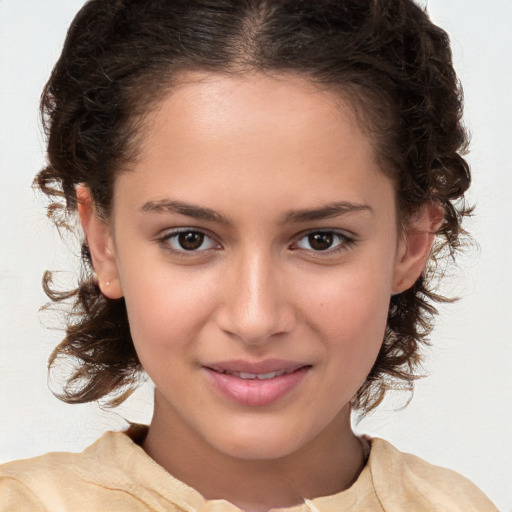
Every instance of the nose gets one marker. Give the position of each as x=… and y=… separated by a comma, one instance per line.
x=256, y=307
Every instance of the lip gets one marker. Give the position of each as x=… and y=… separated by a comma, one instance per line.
x=258, y=367
x=256, y=392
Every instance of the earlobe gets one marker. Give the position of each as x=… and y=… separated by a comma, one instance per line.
x=101, y=246
x=415, y=246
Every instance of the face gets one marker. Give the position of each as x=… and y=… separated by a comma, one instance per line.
x=255, y=243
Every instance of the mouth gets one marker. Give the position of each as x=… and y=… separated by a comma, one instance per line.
x=256, y=384
x=256, y=376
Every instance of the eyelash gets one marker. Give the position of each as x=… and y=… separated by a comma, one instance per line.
x=167, y=239
x=344, y=242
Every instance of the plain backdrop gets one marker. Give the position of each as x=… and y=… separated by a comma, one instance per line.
x=461, y=415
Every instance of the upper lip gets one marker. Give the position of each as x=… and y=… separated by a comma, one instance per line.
x=255, y=367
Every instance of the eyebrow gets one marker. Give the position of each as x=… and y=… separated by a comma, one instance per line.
x=327, y=211
x=181, y=208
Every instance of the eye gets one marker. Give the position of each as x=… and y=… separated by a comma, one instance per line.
x=188, y=240
x=323, y=241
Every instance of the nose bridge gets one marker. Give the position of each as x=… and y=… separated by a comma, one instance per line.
x=256, y=306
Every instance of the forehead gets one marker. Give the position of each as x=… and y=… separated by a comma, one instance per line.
x=262, y=135
x=256, y=96
x=218, y=108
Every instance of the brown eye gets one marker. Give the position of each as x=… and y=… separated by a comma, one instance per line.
x=324, y=241
x=190, y=240
x=320, y=241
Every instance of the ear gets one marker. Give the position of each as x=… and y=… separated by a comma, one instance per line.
x=101, y=245
x=415, y=244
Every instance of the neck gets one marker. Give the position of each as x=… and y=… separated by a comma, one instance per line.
x=328, y=464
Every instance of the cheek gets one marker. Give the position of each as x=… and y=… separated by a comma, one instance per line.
x=350, y=312
x=166, y=311
x=355, y=341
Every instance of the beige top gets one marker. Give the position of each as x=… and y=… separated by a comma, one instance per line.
x=115, y=475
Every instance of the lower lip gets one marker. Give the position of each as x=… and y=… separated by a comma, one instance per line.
x=254, y=392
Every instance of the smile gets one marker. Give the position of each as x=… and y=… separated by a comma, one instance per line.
x=260, y=387
x=259, y=376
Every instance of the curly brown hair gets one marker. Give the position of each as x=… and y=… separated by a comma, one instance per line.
x=121, y=57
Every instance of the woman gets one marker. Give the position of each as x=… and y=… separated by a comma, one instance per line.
x=260, y=186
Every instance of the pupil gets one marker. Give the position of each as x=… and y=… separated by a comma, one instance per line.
x=190, y=240
x=320, y=241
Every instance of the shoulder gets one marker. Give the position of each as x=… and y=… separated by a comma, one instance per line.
x=15, y=495
x=87, y=481
x=29, y=484
x=405, y=482
x=50, y=466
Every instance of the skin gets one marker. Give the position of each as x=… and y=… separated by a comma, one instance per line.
x=259, y=151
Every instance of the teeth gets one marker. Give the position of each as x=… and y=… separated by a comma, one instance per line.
x=270, y=375
x=246, y=375
x=258, y=376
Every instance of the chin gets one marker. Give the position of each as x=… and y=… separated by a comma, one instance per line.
x=264, y=449
x=256, y=443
